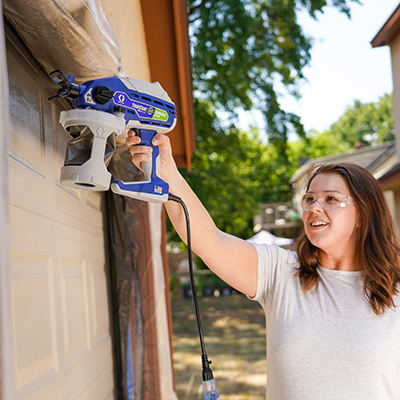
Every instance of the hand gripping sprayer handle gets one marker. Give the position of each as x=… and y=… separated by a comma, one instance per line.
x=152, y=189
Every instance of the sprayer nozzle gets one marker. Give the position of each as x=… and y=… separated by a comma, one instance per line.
x=67, y=88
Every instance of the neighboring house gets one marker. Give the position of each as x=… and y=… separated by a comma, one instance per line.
x=78, y=320
x=389, y=35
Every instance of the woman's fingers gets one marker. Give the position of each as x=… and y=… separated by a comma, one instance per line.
x=142, y=153
x=132, y=138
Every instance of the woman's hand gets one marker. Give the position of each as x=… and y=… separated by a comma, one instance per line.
x=139, y=153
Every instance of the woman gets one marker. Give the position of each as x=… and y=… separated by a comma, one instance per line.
x=333, y=326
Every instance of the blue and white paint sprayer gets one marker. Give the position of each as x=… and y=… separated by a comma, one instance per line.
x=103, y=109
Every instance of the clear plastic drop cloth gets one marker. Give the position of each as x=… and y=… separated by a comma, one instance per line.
x=74, y=36
x=131, y=253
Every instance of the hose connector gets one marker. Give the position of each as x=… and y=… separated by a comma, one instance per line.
x=209, y=387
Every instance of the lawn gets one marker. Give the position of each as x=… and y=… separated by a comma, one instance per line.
x=234, y=331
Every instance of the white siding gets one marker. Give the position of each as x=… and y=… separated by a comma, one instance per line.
x=59, y=294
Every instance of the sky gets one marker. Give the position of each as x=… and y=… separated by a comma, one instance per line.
x=344, y=67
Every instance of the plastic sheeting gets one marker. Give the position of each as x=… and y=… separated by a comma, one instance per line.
x=131, y=247
x=164, y=349
x=136, y=239
x=74, y=36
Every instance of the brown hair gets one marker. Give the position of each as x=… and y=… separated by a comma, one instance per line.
x=377, y=248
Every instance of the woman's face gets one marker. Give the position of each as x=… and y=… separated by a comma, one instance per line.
x=333, y=231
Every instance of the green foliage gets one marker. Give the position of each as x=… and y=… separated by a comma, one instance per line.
x=243, y=49
x=174, y=285
x=224, y=172
x=366, y=123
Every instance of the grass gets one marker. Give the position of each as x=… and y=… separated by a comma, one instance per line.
x=234, y=331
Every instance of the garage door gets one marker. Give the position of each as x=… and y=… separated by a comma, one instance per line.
x=60, y=305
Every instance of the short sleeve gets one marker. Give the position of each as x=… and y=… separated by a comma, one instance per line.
x=274, y=263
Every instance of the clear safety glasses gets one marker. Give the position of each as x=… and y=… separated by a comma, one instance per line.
x=327, y=201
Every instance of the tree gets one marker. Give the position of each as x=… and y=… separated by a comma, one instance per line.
x=225, y=174
x=243, y=49
x=366, y=123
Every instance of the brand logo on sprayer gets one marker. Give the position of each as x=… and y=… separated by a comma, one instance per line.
x=101, y=132
x=141, y=109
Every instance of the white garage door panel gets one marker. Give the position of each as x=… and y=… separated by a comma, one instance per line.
x=26, y=138
x=74, y=235
x=75, y=308
x=31, y=298
x=63, y=347
x=64, y=313
x=99, y=286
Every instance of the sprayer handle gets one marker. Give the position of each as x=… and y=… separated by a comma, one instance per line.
x=152, y=189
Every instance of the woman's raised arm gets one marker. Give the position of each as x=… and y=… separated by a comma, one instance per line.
x=234, y=260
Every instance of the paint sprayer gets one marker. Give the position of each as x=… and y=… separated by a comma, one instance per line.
x=103, y=109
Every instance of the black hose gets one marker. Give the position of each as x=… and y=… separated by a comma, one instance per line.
x=207, y=373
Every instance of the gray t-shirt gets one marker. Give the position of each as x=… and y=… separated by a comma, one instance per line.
x=328, y=344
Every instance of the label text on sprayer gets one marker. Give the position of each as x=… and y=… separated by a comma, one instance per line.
x=141, y=109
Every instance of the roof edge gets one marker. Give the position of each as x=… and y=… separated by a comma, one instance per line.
x=326, y=159
x=390, y=176
x=388, y=30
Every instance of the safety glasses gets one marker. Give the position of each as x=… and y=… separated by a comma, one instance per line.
x=327, y=201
